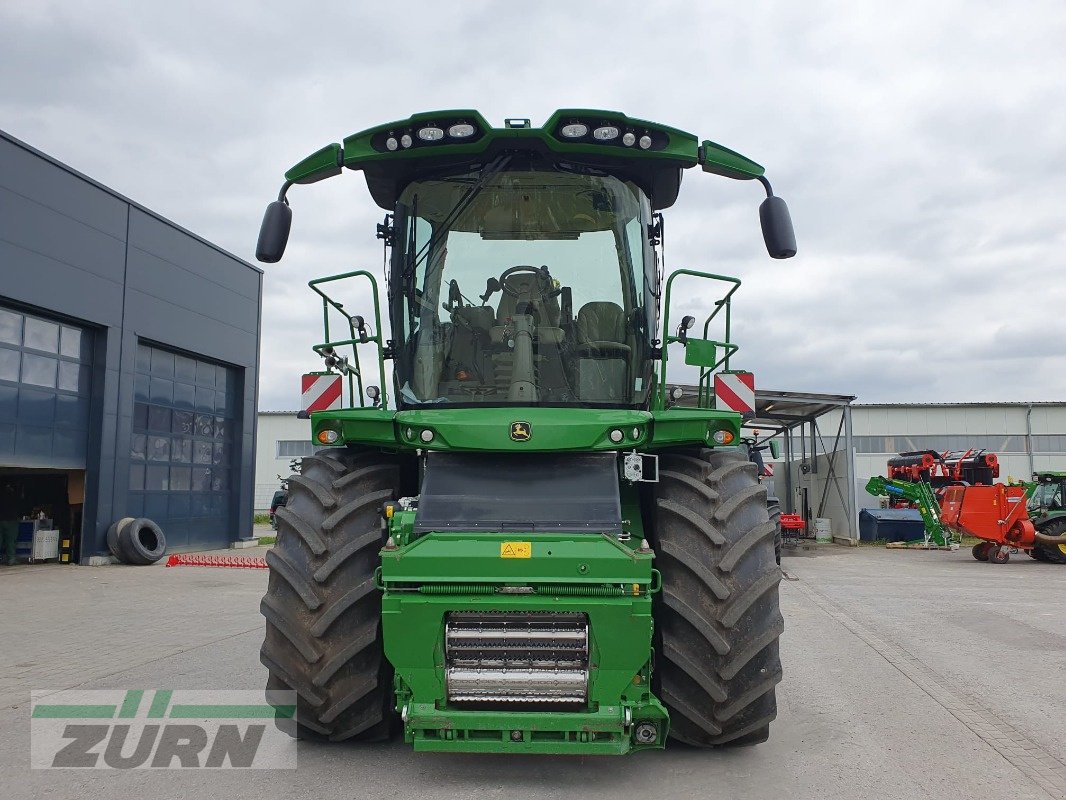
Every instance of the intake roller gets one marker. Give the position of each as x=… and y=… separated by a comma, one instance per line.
x=516, y=685
x=922, y=459
x=978, y=460
x=516, y=657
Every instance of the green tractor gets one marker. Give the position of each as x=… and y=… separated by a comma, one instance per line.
x=1047, y=511
x=533, y=548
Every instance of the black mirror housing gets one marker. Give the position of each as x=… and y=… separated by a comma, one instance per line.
x=777, y=229
x=274, y=232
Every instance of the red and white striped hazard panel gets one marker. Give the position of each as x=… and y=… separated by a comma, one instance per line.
x=735, y=391
x=320, y=392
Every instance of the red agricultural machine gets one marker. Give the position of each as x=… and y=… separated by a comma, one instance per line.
x=997, y=515
x=964, y=468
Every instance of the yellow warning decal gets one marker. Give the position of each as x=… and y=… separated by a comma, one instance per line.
x=516, y=550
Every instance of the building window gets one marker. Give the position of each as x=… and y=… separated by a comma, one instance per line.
x=183, y=447
x=295, y=448
x=994, y=443
x=45, y=389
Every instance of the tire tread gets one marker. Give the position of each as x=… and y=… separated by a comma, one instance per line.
x=322, y=608
x=718, y=617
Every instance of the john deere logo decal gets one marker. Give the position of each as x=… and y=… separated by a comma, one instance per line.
x=521, y=431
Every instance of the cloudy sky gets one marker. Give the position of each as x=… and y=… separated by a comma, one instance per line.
x=921, y=147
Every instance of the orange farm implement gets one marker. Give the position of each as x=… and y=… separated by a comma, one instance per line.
x=995, y=514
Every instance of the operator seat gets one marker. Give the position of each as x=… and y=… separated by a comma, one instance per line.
x=602, y=352
x=470, y=356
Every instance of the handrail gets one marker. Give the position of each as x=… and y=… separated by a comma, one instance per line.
x=724, y=302
x=377, y=338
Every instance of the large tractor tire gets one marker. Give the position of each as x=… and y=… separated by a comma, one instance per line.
x=323, y=612
x=1053, y=553
x=718, y=618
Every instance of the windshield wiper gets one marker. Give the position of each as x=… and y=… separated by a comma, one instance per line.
x=464, y=202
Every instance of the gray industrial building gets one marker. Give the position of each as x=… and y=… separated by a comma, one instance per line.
x=129, y=364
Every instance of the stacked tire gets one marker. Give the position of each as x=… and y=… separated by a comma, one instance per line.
x=136, y=540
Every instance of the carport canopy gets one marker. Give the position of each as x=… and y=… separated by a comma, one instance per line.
x=799, y=418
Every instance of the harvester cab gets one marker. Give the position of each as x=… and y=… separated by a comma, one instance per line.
x=529, y=548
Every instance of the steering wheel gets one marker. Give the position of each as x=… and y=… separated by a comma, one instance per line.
x=540, y=272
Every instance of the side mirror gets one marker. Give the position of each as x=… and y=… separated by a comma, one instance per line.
x=775, y=448
x=274, y=232
x=777, y=229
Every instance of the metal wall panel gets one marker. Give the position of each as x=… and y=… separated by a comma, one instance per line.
x=71, y=248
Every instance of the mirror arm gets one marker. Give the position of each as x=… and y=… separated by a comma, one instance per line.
x=766, y=185
x=284, y=188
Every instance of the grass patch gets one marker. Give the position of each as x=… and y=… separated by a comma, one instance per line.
x=967, y=541
x=261, y=519
x=265, y=540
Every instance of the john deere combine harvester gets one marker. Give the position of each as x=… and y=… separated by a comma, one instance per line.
x=535, y=550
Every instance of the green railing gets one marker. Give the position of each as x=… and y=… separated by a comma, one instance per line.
x=728, y=348
x=355, y=375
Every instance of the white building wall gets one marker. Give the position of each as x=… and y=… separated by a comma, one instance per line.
x=274, y=427
x=1000, y=428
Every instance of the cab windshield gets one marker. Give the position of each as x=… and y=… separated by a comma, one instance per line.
x=523, y=287
x=1046, y=496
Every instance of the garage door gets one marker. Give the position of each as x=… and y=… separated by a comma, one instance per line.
x=183, y=447
x=45, y=390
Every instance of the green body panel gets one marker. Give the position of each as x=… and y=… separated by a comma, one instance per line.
x=593, y=733
x=489, y=428
x=728, y=163
x=437, y=573
x=632, y=520
x=319, y=165
x=679, y=426
x=375, y=427
x=552, y=429
x=578, y=559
